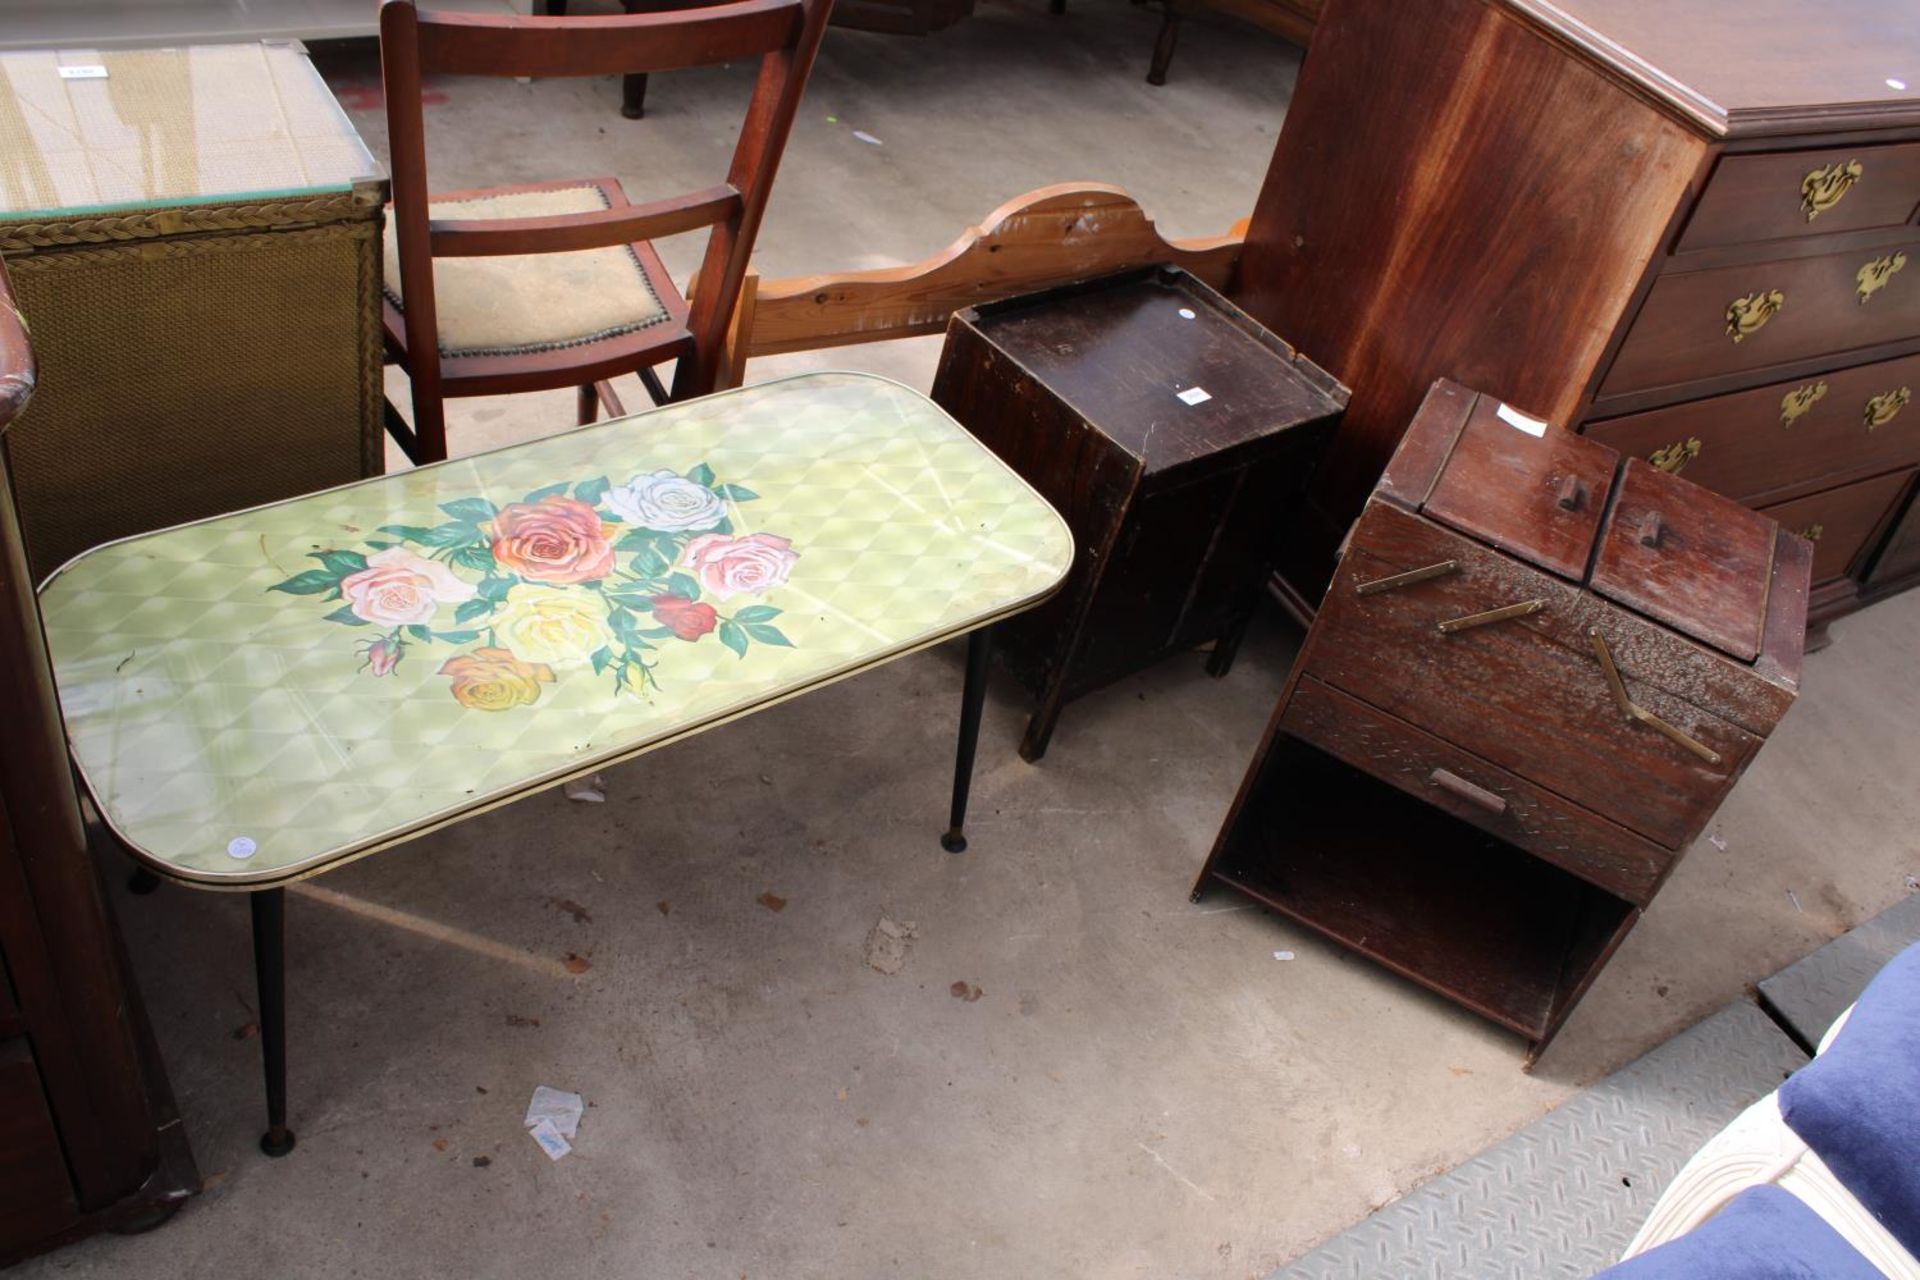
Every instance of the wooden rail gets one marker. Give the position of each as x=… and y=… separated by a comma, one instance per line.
x=1053, y=236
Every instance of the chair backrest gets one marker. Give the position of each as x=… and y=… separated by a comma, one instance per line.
x=784, y=34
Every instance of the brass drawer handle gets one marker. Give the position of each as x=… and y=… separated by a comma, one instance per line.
x=1472, y=794
x=1674, y=458
x=1873, y=277
x=1746, y=315
x=1822, y=189
x=1473, y=620
x=1634, y=711
x=1407, y=579
x=1799, y=400
x=1881, y=409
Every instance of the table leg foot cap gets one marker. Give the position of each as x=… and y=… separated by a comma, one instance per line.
x=277, y=1141
x=953, y=841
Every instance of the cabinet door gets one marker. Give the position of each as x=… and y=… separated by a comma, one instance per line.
x=36, y=1194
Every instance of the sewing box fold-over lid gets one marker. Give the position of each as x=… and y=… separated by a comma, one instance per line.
x=1660, y=545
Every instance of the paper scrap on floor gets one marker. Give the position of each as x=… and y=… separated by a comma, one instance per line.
x=553, y=1118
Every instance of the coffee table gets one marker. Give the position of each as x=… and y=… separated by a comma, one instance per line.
x=265, y=696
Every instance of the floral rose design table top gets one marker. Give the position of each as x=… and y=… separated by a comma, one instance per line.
x=256, y=697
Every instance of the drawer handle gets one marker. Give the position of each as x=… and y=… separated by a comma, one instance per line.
x=1822, y=189
x=1799, y=400
x=1880, y=410
x=1634, y=711
x=1472, y=620
x=1674, y=458
x=1474, y=795
x=1873, y=277
x=1407, y=579
x=1747, y=315
x=1813, y=532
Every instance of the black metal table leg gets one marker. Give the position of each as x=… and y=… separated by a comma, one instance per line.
x=269, y=972
x=142, y=881
x=972, y=698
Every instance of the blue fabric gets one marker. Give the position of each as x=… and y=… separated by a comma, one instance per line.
x=1858, y=1104
x=1763, y=1234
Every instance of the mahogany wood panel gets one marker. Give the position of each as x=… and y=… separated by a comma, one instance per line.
x=1539, y=499
x=1846, y=520
x=1681, y=334
x=1704, y=568
x=1758, y=197
x=1528, y=693
x=1758, y=444
x=1451, y=196
x=1530, y=817
x=1430, y=897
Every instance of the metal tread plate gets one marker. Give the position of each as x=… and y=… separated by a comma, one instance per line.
x=1563, y=1197
x=1807, y=996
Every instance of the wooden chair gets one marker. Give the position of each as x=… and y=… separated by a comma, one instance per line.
x=555, y=284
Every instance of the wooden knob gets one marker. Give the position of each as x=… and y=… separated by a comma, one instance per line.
x=1570, y=491
x=1650, y=529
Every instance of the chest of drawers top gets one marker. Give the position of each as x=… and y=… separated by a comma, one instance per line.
x=1745, y=68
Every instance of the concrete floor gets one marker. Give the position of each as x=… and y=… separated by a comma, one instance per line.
x=1139, y=1087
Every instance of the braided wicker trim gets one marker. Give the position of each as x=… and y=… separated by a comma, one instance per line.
x=265, y=241
x=151, y=224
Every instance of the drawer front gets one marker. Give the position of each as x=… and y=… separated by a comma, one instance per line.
x=1842, y=522
x=1701, y=324
x=1476, y=791
x=1789, y=194
x=1528, y=692
x=1751, y=443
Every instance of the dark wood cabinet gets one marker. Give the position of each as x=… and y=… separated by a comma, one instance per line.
x=88, y=1135
x=1170, y=430
x=1687, y=227
x=1535, y=676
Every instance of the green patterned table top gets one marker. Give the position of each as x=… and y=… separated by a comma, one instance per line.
x=255, y=697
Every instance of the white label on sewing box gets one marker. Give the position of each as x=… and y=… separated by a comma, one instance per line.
x=241, y=847
x=1514, y=418
x=84, y=71
x=1195, y=395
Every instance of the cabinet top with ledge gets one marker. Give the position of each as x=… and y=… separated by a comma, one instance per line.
x=1752, y=68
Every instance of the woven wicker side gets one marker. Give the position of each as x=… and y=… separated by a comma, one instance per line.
x=185, y=377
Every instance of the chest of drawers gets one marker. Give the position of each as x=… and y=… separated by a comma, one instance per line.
x=1685, y=227
x=1537, y=672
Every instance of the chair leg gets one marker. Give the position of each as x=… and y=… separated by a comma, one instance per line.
x=270, y=977
x=973, y=698
x=588, y=401
x=633, y=95
x=1227, y=646
x=1163, y=46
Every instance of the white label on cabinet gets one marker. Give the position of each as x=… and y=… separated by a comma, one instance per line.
x=1514, y=418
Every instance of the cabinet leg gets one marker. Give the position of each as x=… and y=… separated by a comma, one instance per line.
x=1163, y=46
x=973, y=698
x=633, y=95
x=1227, y=647
x=269, y=972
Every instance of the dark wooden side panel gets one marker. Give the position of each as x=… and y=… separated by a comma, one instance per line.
x=1088, y=481
x=36, y=1199
x=1430, y=151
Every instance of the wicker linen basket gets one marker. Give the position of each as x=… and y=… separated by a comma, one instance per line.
x=194, y=237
